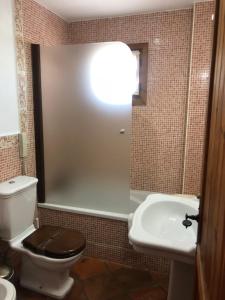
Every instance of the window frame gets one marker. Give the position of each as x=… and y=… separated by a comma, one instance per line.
x=141, y=99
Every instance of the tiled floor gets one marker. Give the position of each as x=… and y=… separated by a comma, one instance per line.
x=101, y=280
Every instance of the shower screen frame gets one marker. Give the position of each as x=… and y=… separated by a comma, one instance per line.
x=38, y=121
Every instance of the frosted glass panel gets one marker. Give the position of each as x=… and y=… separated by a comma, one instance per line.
x=86, y=140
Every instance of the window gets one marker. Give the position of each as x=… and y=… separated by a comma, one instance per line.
x=140, y=51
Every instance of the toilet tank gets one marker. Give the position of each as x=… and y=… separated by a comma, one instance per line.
x=17, y=206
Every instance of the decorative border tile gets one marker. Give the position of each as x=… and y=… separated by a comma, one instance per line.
x=8, y=141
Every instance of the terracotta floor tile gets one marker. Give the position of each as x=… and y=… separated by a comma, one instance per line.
x=114, y=266
x=132, y=279
x=88, y=267
x=120, y=297
x=154, y=293
x=103, y=288
x=24, y=294
x=161, y=279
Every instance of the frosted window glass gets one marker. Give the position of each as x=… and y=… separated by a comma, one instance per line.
x=136, y=54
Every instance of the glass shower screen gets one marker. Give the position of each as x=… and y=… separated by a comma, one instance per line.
x=86, y=105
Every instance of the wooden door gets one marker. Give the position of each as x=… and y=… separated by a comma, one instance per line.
x=211, y=247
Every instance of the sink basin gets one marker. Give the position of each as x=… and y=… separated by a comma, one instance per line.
x=157, y=227
x=7, y=290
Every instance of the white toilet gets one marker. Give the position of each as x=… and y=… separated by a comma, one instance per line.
x=48, y=252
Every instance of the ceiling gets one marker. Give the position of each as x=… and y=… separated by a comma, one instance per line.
x=73, y=10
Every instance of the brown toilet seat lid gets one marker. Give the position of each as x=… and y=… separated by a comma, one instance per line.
x=55, y=242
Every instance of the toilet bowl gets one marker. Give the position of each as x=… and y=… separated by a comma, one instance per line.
x=49, y=252
x=43, y=274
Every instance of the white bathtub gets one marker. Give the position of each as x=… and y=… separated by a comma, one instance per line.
x=136, y=197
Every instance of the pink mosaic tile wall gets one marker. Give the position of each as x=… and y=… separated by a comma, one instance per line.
x=41, y=26
x=198, y=97
x=158, y=129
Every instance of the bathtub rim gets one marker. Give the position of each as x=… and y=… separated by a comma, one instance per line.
x=85, y=211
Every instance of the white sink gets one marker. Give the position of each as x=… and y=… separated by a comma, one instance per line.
x=157, y=227
x=7, y=290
